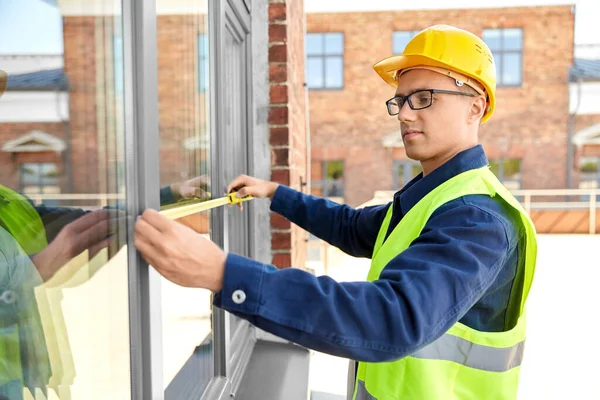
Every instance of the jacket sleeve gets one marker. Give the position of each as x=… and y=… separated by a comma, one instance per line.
x=420, y=294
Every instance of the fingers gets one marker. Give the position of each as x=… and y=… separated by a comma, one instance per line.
x=146, y=232
x=200, y=193
x=157, y=221
x=238, y=183
x=95, y=249
x=95, y=235
x=88, y=220
x=146, y=249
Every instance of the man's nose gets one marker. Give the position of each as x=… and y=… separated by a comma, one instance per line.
x=406, y=113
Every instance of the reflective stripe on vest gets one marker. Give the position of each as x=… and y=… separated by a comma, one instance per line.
x=361, y=392
x=461, y=351
x=463, y=363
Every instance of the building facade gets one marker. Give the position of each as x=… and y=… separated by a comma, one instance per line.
x=356, y=147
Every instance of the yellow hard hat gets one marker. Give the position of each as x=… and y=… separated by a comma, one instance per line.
x=448, y=48
x=3, y=80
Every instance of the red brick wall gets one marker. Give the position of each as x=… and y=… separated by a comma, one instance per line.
x=531, y=122
x=287, y=121
x=181, y=106
x=9, y=173
x=81, y=69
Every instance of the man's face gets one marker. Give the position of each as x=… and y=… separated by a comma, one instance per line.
x=440, y=130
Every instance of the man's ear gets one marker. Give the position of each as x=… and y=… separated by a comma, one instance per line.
x=478, y=107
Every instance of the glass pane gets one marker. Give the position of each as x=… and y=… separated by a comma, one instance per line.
x=400, y=176
x=492, y=37
x=334, y=43
x=314, y=44
x=400, y=40
x=513, y=39
x=64, y=313
x=314, y=72
x=511, y=69
x=415, y=170
x=334, y=72
x=495, y=167
x=405, y=171
x=335, y=169
x=48, y=174
x=118, y=64
x=30, y=174
x=590, y=169
x=203, y=77
x=184, y=110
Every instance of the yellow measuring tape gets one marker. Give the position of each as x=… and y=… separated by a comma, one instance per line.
x=184, y=211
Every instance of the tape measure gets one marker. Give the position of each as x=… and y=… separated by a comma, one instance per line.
x=183, y=211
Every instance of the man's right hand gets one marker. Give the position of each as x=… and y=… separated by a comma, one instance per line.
x=246, y=185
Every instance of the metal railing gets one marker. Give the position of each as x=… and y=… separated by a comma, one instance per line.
x=576, y=199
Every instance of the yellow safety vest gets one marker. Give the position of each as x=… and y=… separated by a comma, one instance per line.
x=463, y=363
x=23, y=353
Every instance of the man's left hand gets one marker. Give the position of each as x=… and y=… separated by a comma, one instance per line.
x=178, y=253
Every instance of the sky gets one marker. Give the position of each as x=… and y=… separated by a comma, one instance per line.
x=43, y=34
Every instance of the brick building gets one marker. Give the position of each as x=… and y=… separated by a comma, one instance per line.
x=356, y=147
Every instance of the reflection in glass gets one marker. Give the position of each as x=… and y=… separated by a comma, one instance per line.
x=64, y=314
x=183, y=98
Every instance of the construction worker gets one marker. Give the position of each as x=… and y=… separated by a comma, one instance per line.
x=441, y=315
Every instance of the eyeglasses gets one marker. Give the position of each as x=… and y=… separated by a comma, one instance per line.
x=418, y=100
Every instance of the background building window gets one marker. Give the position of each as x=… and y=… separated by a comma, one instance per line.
x=508, y=171
x=39, y=178
x=325, y=60
x=332, y=182
x=590, y=172
x=404, y=171
x=400, y=39
x=507, y=47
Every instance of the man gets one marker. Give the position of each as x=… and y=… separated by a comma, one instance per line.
x=453, y=255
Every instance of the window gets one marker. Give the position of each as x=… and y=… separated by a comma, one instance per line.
x=400, y=39
x=332, y=182
x=508, y=171
x=203, y=77
x=590, y=172
x=507, y=48
x=404, y=171
x=325, y=60
x=589, y=167
x=40, y=178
